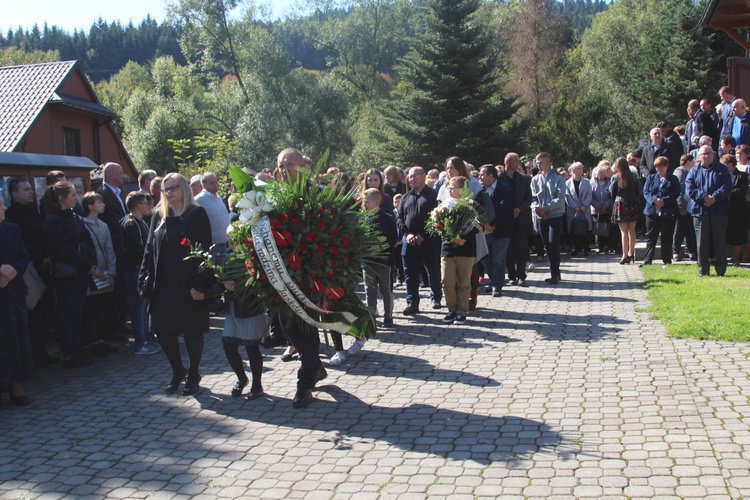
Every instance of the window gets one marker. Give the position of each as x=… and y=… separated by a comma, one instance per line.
x=71, y=141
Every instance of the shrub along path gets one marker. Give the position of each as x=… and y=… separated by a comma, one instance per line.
x=566, y=392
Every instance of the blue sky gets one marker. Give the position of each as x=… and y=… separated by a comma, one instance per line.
x=82, y=13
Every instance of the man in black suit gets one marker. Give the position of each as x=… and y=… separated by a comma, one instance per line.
x=651, y=152
x=675, y=149
x=703, y=123
x=498, y=230
x=520, y=195
x=114, y=210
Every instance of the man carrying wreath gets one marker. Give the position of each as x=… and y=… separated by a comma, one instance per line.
x=303, y=336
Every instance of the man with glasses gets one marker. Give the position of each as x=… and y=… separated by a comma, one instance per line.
x=419, y=248
x=708, y=186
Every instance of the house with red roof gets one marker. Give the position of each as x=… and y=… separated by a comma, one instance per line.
x=51, y=119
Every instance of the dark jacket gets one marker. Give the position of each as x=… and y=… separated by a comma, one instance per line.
x=714, y=180
x=668, y=191
x=134, y=234
x=414, y=210
x=703, y=124
x=384, y=224
x=651, y=153
x=13, y=252
x=675, y=150
x=112, y=215
x=503, y=207
x=30, y=221
x=737, y=201
x=520, y=191
x=67, y=240
x=167, y=278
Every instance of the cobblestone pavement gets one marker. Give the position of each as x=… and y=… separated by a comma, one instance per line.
x=548, y=392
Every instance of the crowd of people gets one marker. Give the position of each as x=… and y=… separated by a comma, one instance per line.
x=81, y=266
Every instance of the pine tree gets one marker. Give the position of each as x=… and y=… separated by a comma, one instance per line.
x=448, y=101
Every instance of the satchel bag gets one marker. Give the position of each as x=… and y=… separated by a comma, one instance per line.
x=601, y=229
x=35, y=286
x=579, y=226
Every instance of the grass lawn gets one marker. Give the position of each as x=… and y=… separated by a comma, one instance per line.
x=709, y=308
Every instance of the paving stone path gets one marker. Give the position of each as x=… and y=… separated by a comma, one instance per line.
x=548, y=392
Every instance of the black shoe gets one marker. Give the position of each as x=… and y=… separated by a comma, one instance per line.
x=514, y=282
x=554, y=280
x=191, y=388
x=302, y=398
x=460, y=319
x=496, y=292
x=644, y=264
x=77, y=362
x=238, y=387
x=449, y=318
x=436, y=305
x=21, y=400
x=522, y=283
x=321, y=375
x=254, y=394
x=411, y=310
x=175, y=383
x=387, y=322
x=286, y=357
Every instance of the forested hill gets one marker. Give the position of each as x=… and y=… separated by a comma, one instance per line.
x=107, y=47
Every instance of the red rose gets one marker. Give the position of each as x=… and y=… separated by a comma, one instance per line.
x=333, y=263
x=346, y=257
x=335, y=292
x=312, y=275
x=275, y=223
x=438, y=226
x=285, y=216
x=335, y=231
x=320, y=249
x=310, y=237
x=293, y=260
x=249, y=243
x=336, y=250
x=322, y=226
x=333, y=214
x=288, y=237
x=264, y=277
x=317, y=286
x=249, y=266
x=302, y=247
x=322, y=210
x=330, y=274
x=185, y=242
x=295, y=220
x=345, y=241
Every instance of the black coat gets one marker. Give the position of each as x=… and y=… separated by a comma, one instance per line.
x=14, y=253
x=651, y=153
x=112, y=215
x=167, y=278
x=703, y=124
x=68, y=241
x=520, y=189
x=503, y=207
x=30, y=221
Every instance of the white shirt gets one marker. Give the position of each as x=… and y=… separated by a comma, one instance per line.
x=217, y=213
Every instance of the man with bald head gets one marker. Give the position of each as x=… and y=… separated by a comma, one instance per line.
x=520, y=195
x=114, y=210
x=740, y=124
x=419, y=249
x=708, y=186
x=655, y=149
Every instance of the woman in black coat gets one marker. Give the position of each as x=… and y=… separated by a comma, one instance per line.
x=177, y=286
x=73, y=262
x=16, y=359
x=738, y=209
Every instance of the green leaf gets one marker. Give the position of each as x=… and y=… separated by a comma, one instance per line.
x=242, y=181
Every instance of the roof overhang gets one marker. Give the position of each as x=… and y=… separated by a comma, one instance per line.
x=49, y=162
x=81, y=105
x=728, y=16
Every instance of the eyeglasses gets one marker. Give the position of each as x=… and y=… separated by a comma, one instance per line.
x=169, y=189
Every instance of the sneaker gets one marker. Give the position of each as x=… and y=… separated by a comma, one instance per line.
x=513, y=282
x=522, y=283
x=496, y=292
x=356, y=347
x=460, y=319
x=530, y=266
x=436, y=305
x=449, y=318
x=337, y=358
x=387, y=322
x=146, y=348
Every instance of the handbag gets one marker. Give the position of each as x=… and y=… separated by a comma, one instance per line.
x=579, y=226
x=63, y=271
x=601, y=229
x=35, y=286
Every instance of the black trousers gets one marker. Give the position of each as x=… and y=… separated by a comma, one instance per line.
x=518, y=252
x=306, y=341
x=656, y=225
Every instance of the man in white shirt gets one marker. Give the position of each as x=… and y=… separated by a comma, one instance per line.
x=217, y=214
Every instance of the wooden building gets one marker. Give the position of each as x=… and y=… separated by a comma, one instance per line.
x=50, y=110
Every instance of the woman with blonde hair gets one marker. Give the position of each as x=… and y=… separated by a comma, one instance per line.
x=626, y=192
x=177, y=286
